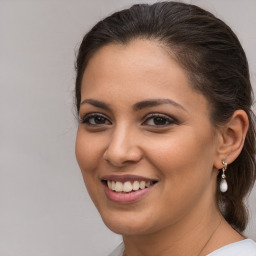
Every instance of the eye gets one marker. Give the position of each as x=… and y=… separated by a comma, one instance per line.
x=159, y=120
x=95, y=119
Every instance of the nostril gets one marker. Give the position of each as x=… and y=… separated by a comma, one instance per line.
x=121, y=152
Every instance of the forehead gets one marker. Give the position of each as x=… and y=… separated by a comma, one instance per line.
x=138, y=52
x=136, y=71
x=139, y=59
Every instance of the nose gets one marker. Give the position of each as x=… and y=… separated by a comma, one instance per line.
x=123, y=148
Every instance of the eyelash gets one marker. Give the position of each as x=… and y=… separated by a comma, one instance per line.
x=86, y=119
x=165, y=118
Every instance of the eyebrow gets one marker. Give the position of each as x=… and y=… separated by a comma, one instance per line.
x=96, y=103
x=155, y=102
x=137, y=106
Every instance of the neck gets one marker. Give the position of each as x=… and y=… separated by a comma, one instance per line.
x=189, y=236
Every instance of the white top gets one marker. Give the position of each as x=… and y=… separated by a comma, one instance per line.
x=245, y=247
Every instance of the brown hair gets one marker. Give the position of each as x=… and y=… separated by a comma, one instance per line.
x=216, y=64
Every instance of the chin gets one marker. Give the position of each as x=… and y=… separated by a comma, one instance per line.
x=125, y=223
x=125, y=228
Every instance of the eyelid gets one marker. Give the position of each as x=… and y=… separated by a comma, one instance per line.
x=87, y=116
x=171, y=120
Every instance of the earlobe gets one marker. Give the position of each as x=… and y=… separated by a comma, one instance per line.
x=231, y=138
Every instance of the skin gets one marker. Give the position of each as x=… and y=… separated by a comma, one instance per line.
x=183, y=155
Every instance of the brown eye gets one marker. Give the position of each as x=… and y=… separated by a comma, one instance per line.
x=98, y=120
x=159, y=120
x=95, y=119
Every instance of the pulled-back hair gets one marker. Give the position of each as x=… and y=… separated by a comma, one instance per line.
x=215, y=63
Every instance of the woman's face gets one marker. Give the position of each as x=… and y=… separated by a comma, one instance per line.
x=145, y=143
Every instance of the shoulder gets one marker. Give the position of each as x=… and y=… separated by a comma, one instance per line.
x=118, y=251
x=245, y=247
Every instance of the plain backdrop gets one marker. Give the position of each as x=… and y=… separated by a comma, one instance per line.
x=44, y=207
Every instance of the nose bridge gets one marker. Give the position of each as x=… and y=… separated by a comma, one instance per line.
x=120, y=136
x=122, y=147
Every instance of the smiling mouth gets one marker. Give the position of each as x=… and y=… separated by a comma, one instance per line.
x=127, y=186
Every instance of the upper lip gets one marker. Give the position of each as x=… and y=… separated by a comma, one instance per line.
x=127, y=177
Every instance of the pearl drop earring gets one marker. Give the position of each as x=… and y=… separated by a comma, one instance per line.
x=223, y=183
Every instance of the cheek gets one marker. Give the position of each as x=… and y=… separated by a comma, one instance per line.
x=88, y=158
x=184, y=155
x=87, y=153
x=184, y=163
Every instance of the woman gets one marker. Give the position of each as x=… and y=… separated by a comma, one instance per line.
x=166, y=140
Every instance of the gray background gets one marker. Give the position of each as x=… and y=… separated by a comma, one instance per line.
x=44, y=206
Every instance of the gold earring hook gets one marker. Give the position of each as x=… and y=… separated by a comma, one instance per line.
x=224, y=168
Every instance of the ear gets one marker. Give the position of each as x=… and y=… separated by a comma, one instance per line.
x=231, y=138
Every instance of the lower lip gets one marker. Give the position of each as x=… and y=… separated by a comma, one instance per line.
x=129, y=197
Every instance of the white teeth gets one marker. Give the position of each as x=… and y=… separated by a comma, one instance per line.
x=135, y=185
x=110, y=184
x=142, y=184
x=128, y=186
x=113, y=185
x=119, y=186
